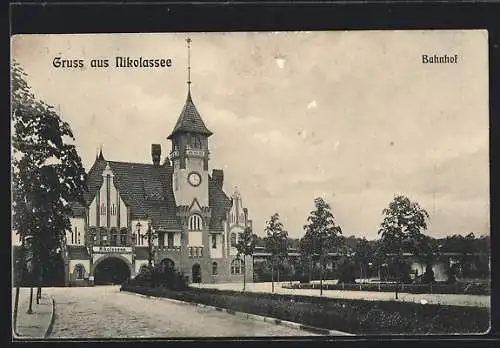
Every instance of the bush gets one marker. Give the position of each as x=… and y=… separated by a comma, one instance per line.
x=158, y=276
x=353, y=316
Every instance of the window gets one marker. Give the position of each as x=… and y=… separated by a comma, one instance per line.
x=113, y=209
x=190, y=252
x=103, y=209
x=214, y=268
x=161, y=239
x=195, y=142
x=233, y=240
x=237, y=266
x=195, y=223
x=170, y=240
x=114, y=237
x=123, y=236
x=72, y=237
x=77, y=235
x=214, y=241
x=79, y=272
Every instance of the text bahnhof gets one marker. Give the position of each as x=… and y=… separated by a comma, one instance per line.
x=120, y=62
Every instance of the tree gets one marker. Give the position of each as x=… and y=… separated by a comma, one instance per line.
x=246, y=247
x=402, y=226
x=151, y=235
x=47, y=173
x=276, y=242
x=362, y=255
x=322, y=235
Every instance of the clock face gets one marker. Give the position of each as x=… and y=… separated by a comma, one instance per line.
x=194, y=178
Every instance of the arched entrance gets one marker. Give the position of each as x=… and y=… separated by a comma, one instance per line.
x=196, y=273
x=111, y=270
x=167, y=264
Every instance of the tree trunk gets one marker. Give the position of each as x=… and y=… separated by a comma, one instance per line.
x=310, y=269
x=272, y=278
x=16, y=307
x=30, y=309
x=244, y=273
x=321, y=277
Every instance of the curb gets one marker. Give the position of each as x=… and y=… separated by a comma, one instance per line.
x=275, y=321
x=52, y=318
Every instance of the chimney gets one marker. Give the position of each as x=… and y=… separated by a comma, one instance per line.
x=156, y=154
x=218, y=177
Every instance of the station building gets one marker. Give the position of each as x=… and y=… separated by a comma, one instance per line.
x=196, y=223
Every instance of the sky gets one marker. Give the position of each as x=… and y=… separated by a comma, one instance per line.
x=350, y=116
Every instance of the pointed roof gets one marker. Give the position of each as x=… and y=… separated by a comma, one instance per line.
x=190, y=120
x=101, y=157
x=147, y=190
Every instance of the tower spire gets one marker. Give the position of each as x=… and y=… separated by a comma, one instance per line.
x=188, y=40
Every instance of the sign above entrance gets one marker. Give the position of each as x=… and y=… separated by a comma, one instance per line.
x=112, y=249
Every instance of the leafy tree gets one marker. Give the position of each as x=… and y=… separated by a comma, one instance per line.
x=322, y=235
x=362, y=256
x=276, y=242
x=402, y=226
x=47, y=173
x=246, y=247
x=151, y=236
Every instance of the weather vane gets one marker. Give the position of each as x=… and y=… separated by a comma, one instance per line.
x=188, y=40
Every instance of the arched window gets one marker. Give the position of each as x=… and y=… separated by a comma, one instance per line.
x=236, y=266
x=103, y=209
x=195, y=142
x=214, y=268
x=195, y=223
x=233, y=239
x=123, y=236
x=79, y=271
x=114, y=237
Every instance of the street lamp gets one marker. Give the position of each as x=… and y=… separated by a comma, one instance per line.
x=138, y=229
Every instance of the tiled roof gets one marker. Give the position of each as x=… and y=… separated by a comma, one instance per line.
x=190, y=120
x=78, y=252
x=147, y=190
x=78, y=209
x=220, y=204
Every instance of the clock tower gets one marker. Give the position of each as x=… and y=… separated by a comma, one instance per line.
x=189, y=153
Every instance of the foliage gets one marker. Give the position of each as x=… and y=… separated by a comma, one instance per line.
x=246, y=247
x=276, y=238
x=322, y=235
x=402, y=228
x=352, y=316
x=246, y=242
x=48, y=175
x=159, y=276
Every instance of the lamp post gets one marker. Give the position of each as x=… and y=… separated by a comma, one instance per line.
x=138, y=229
x=150, y=244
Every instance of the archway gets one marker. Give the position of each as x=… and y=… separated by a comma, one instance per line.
x=111, y=270
x=196, y=273
x=167, y=264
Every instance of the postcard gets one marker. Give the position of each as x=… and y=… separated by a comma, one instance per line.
x=250, y=184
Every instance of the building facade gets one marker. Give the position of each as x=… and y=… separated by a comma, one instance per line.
x=196, y=225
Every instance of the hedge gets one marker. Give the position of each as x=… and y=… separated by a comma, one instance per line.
x=352, y=316
x=437, y=288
